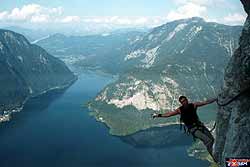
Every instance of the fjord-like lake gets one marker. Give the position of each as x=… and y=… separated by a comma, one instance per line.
x=56, y=130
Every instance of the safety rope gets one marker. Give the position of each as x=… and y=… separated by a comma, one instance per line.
x=234, y=98
x=211, y=130
x=228, y=102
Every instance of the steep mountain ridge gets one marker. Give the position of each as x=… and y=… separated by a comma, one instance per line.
x=178, y=39
x=27, y=70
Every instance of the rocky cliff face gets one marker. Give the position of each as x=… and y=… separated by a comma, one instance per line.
x=27, y=70
x=233, y=120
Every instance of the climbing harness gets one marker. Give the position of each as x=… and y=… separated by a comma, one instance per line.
x=247, y=90
x=198, y=126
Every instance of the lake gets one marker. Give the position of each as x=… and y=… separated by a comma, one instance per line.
x=56, y=130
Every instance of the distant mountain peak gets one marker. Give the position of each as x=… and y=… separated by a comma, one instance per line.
x=58, y=35
x=198, y=19
x=190, y=20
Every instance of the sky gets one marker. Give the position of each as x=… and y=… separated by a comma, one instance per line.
x=94, y=14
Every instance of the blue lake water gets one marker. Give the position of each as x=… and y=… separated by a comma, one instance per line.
x=56, y=130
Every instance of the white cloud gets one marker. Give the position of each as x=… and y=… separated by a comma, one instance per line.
x=126, y=20
x=40, y=19
x=230, y=19
x=123, y=21
x=32, y=13
x=35, y=13
x=26, y=12
x=207, y=9
x=3, y=15
x=234, y=19
x=56, y=11
x=142, y=20
x=69, y=19
x=186, y=11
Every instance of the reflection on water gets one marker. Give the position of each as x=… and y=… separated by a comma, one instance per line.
x=42, y=102
x=34, y=105
x=159, y=137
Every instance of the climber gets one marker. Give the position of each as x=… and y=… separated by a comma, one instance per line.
x=191, y=120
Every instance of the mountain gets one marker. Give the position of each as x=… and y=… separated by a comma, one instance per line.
x=104, y=52
x=27, y=70
x=183, y=57
x=175, y=41
x=31, y=34
x=233, y=123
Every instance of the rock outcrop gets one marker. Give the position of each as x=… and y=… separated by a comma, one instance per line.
x=233, y=119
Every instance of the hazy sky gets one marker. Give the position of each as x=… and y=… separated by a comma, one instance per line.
x=122, y=13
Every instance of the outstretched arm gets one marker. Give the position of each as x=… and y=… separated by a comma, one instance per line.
x=199, y=104
x=168, y=114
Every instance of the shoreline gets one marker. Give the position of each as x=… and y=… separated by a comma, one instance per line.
x=7, y=113
x=197, y=151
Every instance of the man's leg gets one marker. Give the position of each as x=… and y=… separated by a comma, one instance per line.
x=206, y=137
x=211, y=140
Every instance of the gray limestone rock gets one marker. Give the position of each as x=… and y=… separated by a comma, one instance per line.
x=233, y=120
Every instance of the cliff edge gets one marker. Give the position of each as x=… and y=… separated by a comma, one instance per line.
x=233, y=119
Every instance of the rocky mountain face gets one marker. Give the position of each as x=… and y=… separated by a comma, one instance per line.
x=27, y=70
x=184, y=41
x=233, y=120
x=102, y=52
x=184, y=57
